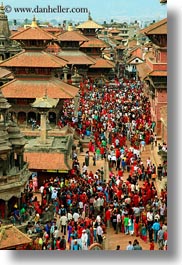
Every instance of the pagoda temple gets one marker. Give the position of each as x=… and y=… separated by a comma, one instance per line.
x=35, y=71
x=14, y=173
x=94, y=47
x=154, y=72
x=8, y=47
x=70, y=42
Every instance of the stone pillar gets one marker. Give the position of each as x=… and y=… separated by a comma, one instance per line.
x=43, y=130
x=6, y=210
x=20, y=158
x=19, y=203
x=76, y=103
x=65, y=71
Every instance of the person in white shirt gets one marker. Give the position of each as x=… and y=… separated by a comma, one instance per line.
x=41, y=189
x=69, y=216
x=99, y=232
x=75, y=217
x=84, y=239
x=63, y=223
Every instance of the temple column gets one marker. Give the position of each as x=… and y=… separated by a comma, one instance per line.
x=19, y=202
x=6, y=210
x=65, y=71
x=43, y=131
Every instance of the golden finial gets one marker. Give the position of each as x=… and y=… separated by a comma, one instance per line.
x=89, y=16
x=34, y=23
x=1, y=8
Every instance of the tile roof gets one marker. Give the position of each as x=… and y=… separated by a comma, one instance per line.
x=89, y=24
x=102, y=63
x=45, y=161
x=143, y=70
x=158, y=73
x=4, y=72
x=121, y=47
x=34, y=59
x=56, y=30
x=133, y=58
x=76, y=57
x=33, y=33
x=11, y=236
x=159, y=27
x=36, y=87
x=132, y=43
x=114, y=31
x=72, y=36
x=118, y=38
x=94, y=42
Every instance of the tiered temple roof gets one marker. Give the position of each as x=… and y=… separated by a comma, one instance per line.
x=34, y=59
x=36, y=87
x=72, y=36
x=159, y=27
x=89, y=24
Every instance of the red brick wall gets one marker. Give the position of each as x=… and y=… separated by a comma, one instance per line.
x=161, y=96
x=163, y=56
x=159, y=101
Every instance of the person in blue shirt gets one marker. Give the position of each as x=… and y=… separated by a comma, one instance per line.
x=76, y=246
x=155, y=227
x=130, y=246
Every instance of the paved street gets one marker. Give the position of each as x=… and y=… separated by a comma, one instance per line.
x=112, y=239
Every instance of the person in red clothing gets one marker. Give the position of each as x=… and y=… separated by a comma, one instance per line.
x=136, y=199
x=108, y=217
x=152, y=244
x=136, y=228
x=102, y=151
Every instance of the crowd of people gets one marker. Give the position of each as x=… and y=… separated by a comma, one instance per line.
x=117, y=123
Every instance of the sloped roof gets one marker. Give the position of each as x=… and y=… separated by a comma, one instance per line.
x=45, y=161
x=72, y=36
x=143, y=70
x=118, y=38
x=11, y=236
x=36, y=87
x=94, y=42
x=89, y=24
x=4, y=72
x=34, y=59
x=33, y=33
x=132, y=43
x=159, y=27
x=102, y=63
x=76, y=57
x=114, y=31
x=121, y=47
x=133, y=58
x=158, y=73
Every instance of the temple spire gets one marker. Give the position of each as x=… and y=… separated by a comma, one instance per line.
x=89, y=16
x=34, y=23
x=1, y=8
